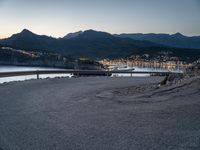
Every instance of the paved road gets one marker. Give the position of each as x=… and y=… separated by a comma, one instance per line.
x=98, y=114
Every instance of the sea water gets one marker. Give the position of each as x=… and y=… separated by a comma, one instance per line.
x=28, y=77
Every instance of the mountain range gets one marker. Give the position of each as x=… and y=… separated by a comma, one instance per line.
x=98, y=45
x=177, y=40
x=89, y=43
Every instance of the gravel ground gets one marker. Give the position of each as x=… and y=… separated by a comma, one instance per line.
x=100, y=113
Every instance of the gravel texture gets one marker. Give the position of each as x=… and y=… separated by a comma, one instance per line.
x=100, y=113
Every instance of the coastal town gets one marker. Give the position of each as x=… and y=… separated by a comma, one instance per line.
x=137, y=61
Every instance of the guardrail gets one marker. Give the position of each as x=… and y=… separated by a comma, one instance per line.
x=81, y=72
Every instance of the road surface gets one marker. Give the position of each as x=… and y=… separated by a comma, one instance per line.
x=100, y=113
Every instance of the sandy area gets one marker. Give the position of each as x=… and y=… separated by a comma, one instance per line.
x=100, y=113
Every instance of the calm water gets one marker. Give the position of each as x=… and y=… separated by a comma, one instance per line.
x=22, y=78
x=145, y=69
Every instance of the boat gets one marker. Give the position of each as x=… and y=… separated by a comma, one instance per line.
x=123, y=68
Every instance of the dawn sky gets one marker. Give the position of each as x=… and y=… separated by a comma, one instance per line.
x=59, y=17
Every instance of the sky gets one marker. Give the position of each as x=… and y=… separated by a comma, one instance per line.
x=58, y=17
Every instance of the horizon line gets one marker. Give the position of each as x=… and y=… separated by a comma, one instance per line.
x=187, y=35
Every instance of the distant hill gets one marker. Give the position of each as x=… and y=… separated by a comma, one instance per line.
x=98, y=45
x=89, y=43
x=175, y=40
x=10, y=56
x=29, y=41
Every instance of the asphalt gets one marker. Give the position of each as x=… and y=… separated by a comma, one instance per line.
x=100, y=113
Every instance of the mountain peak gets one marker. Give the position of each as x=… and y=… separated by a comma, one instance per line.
x=178, y=34
x=91, y=30
x=73, y=35
x=95, y=34
x=88, y=34
x=24, y=34
x=26, y=31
